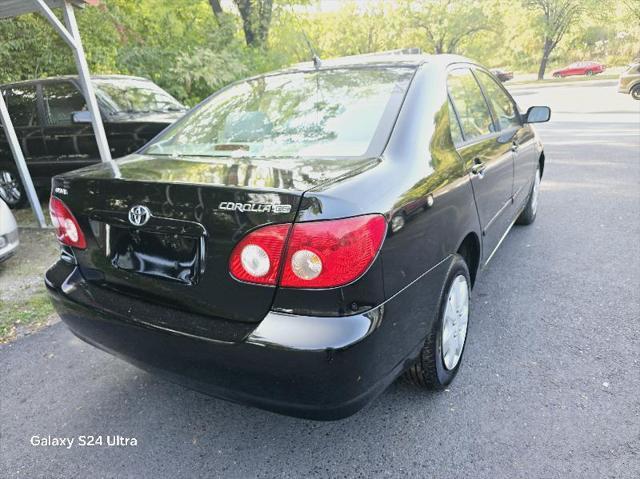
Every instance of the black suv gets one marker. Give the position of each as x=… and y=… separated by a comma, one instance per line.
x=54, y=127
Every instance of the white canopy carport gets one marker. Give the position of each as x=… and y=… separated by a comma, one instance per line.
x=71, y=35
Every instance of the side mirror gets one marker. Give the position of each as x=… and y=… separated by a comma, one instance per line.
x=81, y=117
x=537, y=114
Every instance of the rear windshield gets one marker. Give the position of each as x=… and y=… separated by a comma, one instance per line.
x=135, y=96
x=342, y=112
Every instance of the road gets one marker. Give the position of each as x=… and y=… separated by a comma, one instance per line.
x=550, y=386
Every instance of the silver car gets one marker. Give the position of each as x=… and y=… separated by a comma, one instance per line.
x=8, y=232
x=629, y=81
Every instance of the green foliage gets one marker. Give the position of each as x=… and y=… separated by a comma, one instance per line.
x=190, y=49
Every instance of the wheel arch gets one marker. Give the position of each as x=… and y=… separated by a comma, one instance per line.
x=470, y=250
x=541, y=162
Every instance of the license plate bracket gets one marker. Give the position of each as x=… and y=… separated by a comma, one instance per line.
x=163, y=255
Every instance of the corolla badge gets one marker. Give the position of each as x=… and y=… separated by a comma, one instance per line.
x=254, y=207
x=139, y=215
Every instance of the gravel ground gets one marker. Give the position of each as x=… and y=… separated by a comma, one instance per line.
x=550, y=386
x=23, y=306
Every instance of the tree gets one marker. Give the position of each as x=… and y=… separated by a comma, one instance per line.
x=633, y=6
x=557, y=17
x=447, y=23
x=217, y=9
x=256, y=19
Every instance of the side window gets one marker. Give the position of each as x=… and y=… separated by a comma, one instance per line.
x=456, y=133
x=60, y=101
x=23, y=105
x=503, y=106
x=469, y=102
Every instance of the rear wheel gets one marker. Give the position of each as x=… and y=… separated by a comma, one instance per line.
x=528, y=215
x=557, y=75
x=11, y=190
x=441, y=354
x=635, y=92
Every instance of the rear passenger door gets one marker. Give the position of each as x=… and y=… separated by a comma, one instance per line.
x=70, y=145
x=512, y=130
x=487, y=157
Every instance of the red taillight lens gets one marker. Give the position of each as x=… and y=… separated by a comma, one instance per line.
x=319, y=254
x=256, y=259
x=327, y=254
x=68, y=231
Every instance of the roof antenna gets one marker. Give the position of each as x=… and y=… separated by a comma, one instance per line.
x=317, y=62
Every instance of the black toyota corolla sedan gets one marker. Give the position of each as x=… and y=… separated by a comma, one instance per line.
x=302, y=238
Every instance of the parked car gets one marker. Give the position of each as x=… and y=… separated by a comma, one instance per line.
x=9, y=240
x=580, y=68
x=502, y=75
x=54, y=126
x=629, y=81
x=246, y=251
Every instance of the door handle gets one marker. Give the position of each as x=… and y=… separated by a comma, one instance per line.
x=478, y=167
x=515, y=146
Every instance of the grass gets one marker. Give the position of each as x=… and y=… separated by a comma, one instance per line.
x=31, y=314
x=24, y=305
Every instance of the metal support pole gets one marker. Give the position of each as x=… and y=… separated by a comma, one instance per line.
x=57, y=24
x=14, y=144
x=85, y=81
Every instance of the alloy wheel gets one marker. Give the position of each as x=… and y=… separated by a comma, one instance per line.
x=10, y=188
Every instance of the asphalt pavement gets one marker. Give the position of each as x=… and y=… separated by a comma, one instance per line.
x=550, y=385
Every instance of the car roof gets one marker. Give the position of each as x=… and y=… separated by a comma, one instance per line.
x=73, y=77
x=376, y=60
x=380, y=60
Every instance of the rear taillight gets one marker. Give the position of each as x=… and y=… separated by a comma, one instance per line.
x=256, y=259
x=67, y=229
x=319, y=254
x=326, y=254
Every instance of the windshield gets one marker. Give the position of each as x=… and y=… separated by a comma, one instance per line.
x=135, y=96
x=304, y=114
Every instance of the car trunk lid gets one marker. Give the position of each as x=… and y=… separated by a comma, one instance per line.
x=162, y=228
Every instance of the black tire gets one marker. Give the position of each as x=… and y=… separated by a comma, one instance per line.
x=429, y=370
x=590, y=73
x=635, y=92
x=11, y=189
x=557, y=75
x=530, y=211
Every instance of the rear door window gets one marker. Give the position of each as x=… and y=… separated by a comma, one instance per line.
x=503, y=106
x=61, y=100
x=22, y=103
x=468, y=100
x=456, y=133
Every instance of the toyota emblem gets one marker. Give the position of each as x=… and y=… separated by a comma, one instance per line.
x=139, y=215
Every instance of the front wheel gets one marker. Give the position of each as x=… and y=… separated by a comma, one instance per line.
x=635, y=92
x=528, y=215
x=11, y=190
x=590, y=73
x=441, y=354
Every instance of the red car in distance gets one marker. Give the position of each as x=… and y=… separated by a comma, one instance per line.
x=580, y=68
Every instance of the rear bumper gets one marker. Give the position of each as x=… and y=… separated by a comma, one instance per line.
x=627, y=87
x=8, y=245
x=312, y=367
